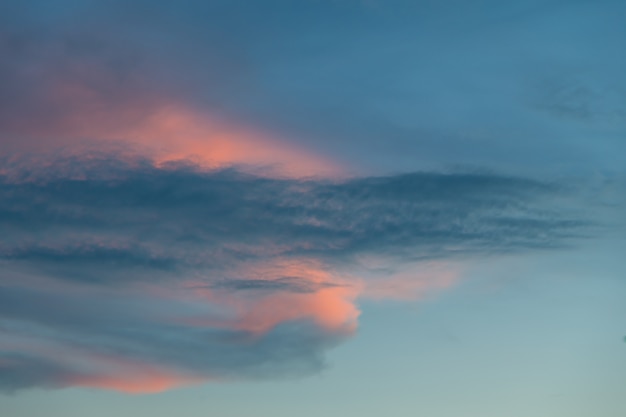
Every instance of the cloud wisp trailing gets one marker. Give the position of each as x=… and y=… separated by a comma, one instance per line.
x=122, y=273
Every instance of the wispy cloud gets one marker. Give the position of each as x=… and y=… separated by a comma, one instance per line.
x=120, y=273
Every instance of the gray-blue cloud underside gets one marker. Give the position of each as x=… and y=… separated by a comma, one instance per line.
x=116, y=222
x=111, y=224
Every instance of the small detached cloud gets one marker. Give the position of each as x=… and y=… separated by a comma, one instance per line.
x=120, y=273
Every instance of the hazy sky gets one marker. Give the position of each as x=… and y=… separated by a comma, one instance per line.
x=314, y=207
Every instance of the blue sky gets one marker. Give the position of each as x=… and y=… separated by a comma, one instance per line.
x=315, y=207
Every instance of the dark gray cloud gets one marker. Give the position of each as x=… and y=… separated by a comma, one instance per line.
x=54, y=340
x=122, y=221
x=293, y=284
x=23, y=371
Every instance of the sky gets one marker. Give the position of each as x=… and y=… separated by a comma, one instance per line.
x=313, y=207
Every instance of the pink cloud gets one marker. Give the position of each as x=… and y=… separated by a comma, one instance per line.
x=123, y=375
x=82, y=105
x=330, y=304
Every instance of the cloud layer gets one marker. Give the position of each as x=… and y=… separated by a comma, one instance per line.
x=121, y=273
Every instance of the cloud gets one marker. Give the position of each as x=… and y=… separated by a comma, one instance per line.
x=175, y=225
x=292, y=284
x=182, y=218
x=85, y=90
x=121, y=273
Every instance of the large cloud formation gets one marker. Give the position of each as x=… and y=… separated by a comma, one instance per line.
x=169, y=211
x=120, y=273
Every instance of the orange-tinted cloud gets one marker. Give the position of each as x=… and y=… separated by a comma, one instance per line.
x=71, y=365
x=77, y=117
x=56, y=97
x=132, y=377
x=175, y=133
x=328, y=301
